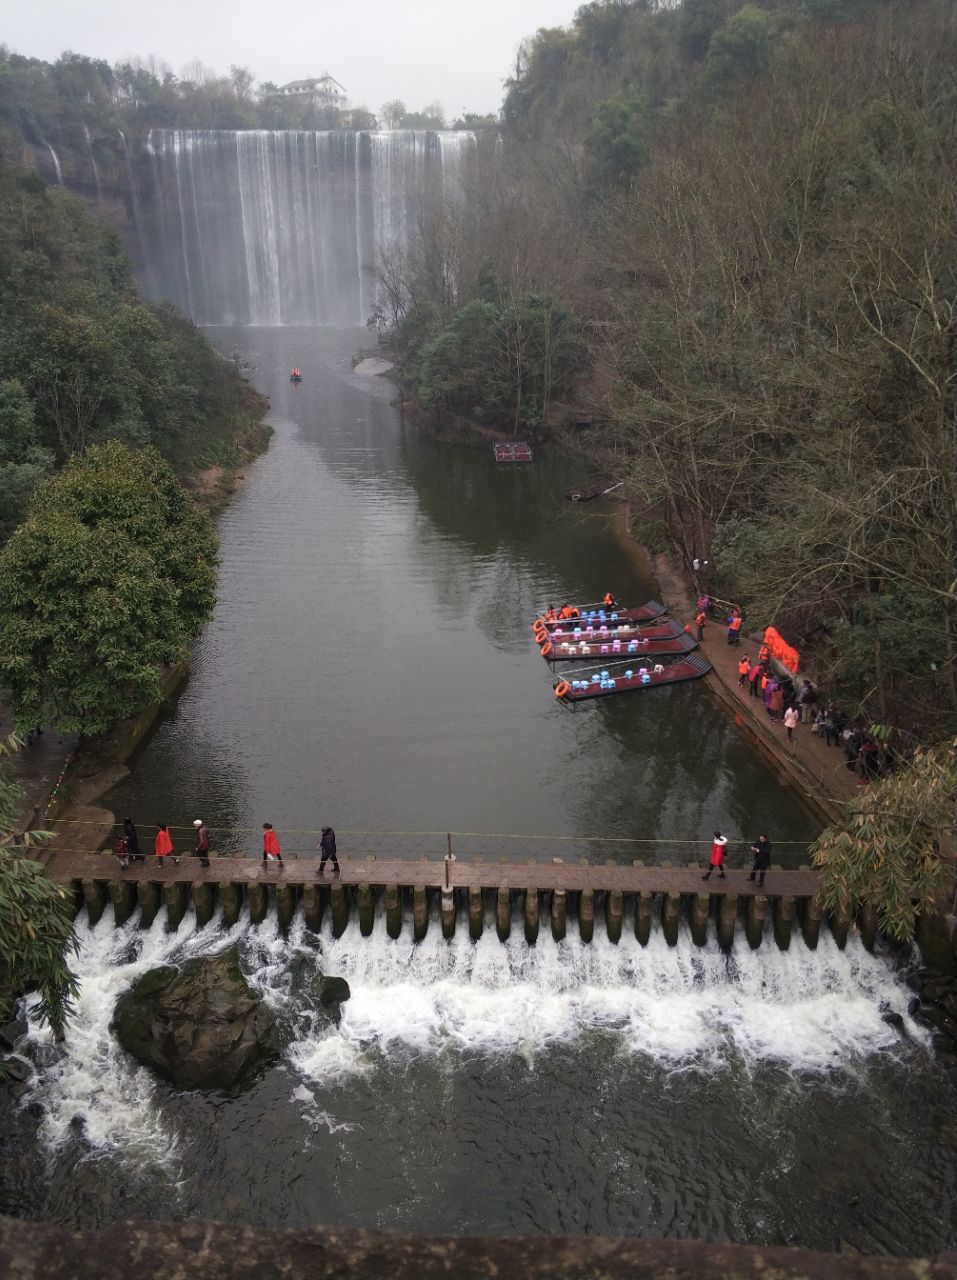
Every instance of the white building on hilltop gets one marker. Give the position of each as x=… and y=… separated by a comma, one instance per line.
x=323, y=91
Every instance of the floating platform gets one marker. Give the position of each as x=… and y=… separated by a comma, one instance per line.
x=610, y=618
x=663, y=647
x=693, y=667
x=519, y=451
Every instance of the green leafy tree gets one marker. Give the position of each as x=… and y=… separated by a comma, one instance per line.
x=36, y=915
x=619, y=138
x=111, y=575
x=888, y=852
x=23, y=460
x=740, y=50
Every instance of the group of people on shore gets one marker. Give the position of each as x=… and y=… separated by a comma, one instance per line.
x=127, y=848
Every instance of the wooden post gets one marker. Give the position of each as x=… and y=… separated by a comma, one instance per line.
x=285, y=904
x=202, y=895
x=644, y=909
x=123, y=895
x=586, y=915
x=94, y=895
x=366, y=905
x=840, y=922
x=700, y=910
x=867, y=923
x=670, y=917
x=312, y=906
x=257, y=896
x=340, y=908
x=727, y=920
x=503, y=914
x=811, y=922
x=174, y=895
x=532, y=911
x=420, y=912
x=559, y=914
x=783, y=921
x=231, y=899
x=614, y=907
x=149, y=899
x=393, y=910
x=476, y=912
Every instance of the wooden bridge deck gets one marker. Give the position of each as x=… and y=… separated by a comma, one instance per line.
x=73, y=867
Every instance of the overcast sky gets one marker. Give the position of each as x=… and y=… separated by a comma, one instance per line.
x=455, y=51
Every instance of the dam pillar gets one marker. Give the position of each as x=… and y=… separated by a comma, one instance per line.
x=393, y=910
x=312, y=906
x=614, y=909
x=503, y=914
x=285, y=904
x=559, y=914
x=727, y=920
x=644, y=908
x=258, y=898
x=123, y=896
x=784, y=909
x=755, y=915
x=840, y=922
x=670, y=917
x=448, y=913
x=811, y=922
x=148, y=895
x=700, y=910
x=586, y=915
x=476, y=912
x=532, y=911
x=174, y=896
x=867, y=923
x=94, y=895
x=340, y=909
x=420, y=912
x=366, y=908
x=203, y=902
x=231, y=898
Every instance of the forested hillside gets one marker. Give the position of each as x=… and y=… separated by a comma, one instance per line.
x=750, y=210
x=84, y=359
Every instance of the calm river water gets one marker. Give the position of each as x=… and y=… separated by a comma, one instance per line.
x=370, y=665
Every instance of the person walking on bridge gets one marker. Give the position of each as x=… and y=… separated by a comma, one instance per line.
x=163, y=845
x=328, y=846
x=132, y=841
x=271, y=849
x=718, y=845
x=762, y=859
x=202, y=842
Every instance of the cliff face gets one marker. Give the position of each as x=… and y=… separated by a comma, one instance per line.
x=217, y=1251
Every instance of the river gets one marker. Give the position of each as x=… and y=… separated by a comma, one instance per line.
x=370, y=664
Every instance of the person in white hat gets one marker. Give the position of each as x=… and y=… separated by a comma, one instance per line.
x=202, y=842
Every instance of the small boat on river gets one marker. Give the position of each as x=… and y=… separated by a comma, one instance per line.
x=599, y=616
x=669, y=646
x=517, y=451
x=596, y=635
x=593, y=487
x=620, y=678
x=295, y=376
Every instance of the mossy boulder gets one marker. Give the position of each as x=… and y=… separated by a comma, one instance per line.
x=199, y=1025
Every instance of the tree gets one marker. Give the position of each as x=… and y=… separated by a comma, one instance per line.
x=23, y=461
x=740, y=50
x=391, y=112
x=111, y=575
x=888, y=852
x=36, y=915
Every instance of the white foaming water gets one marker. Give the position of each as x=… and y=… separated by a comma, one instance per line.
x=684, y=1007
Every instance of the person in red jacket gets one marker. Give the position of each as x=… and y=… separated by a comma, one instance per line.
x=163, y=845
x=271, y=850
x=717, y=856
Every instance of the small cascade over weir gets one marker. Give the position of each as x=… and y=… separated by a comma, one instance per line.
x=266, y=227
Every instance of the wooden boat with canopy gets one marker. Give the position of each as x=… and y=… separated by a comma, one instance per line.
x=583, y=686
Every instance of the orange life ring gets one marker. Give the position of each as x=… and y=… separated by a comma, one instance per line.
x=539, y=622
x=547, y=648
x=541, y=637
x=562, y=688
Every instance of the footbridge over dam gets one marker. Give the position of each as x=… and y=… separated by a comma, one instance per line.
x=474, y=895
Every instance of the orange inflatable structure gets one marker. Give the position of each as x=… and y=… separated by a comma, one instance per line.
x=781, y=650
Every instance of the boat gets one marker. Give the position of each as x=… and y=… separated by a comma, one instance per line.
x=593, y=487
x=295, y=376
x=589, y=635
x=599, y=616
x=516, y=451
x=633, y=650
x=621, y=678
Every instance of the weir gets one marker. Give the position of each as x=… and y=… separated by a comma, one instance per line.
x=417, y=896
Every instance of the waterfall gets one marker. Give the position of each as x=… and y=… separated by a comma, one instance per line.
x=56, y=162
x=270, y=227
x=96, y=172
x=685, y=1008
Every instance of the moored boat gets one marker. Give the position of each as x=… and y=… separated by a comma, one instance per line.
x=602, y=635
x=600, y=616
x=634, y=650
x=624, y=679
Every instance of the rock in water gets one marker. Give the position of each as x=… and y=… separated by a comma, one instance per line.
x=201, y=1026
x=333, y=990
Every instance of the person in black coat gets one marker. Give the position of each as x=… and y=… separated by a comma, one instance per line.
x=762, y=859
x=328, y=846
x=132, y=841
